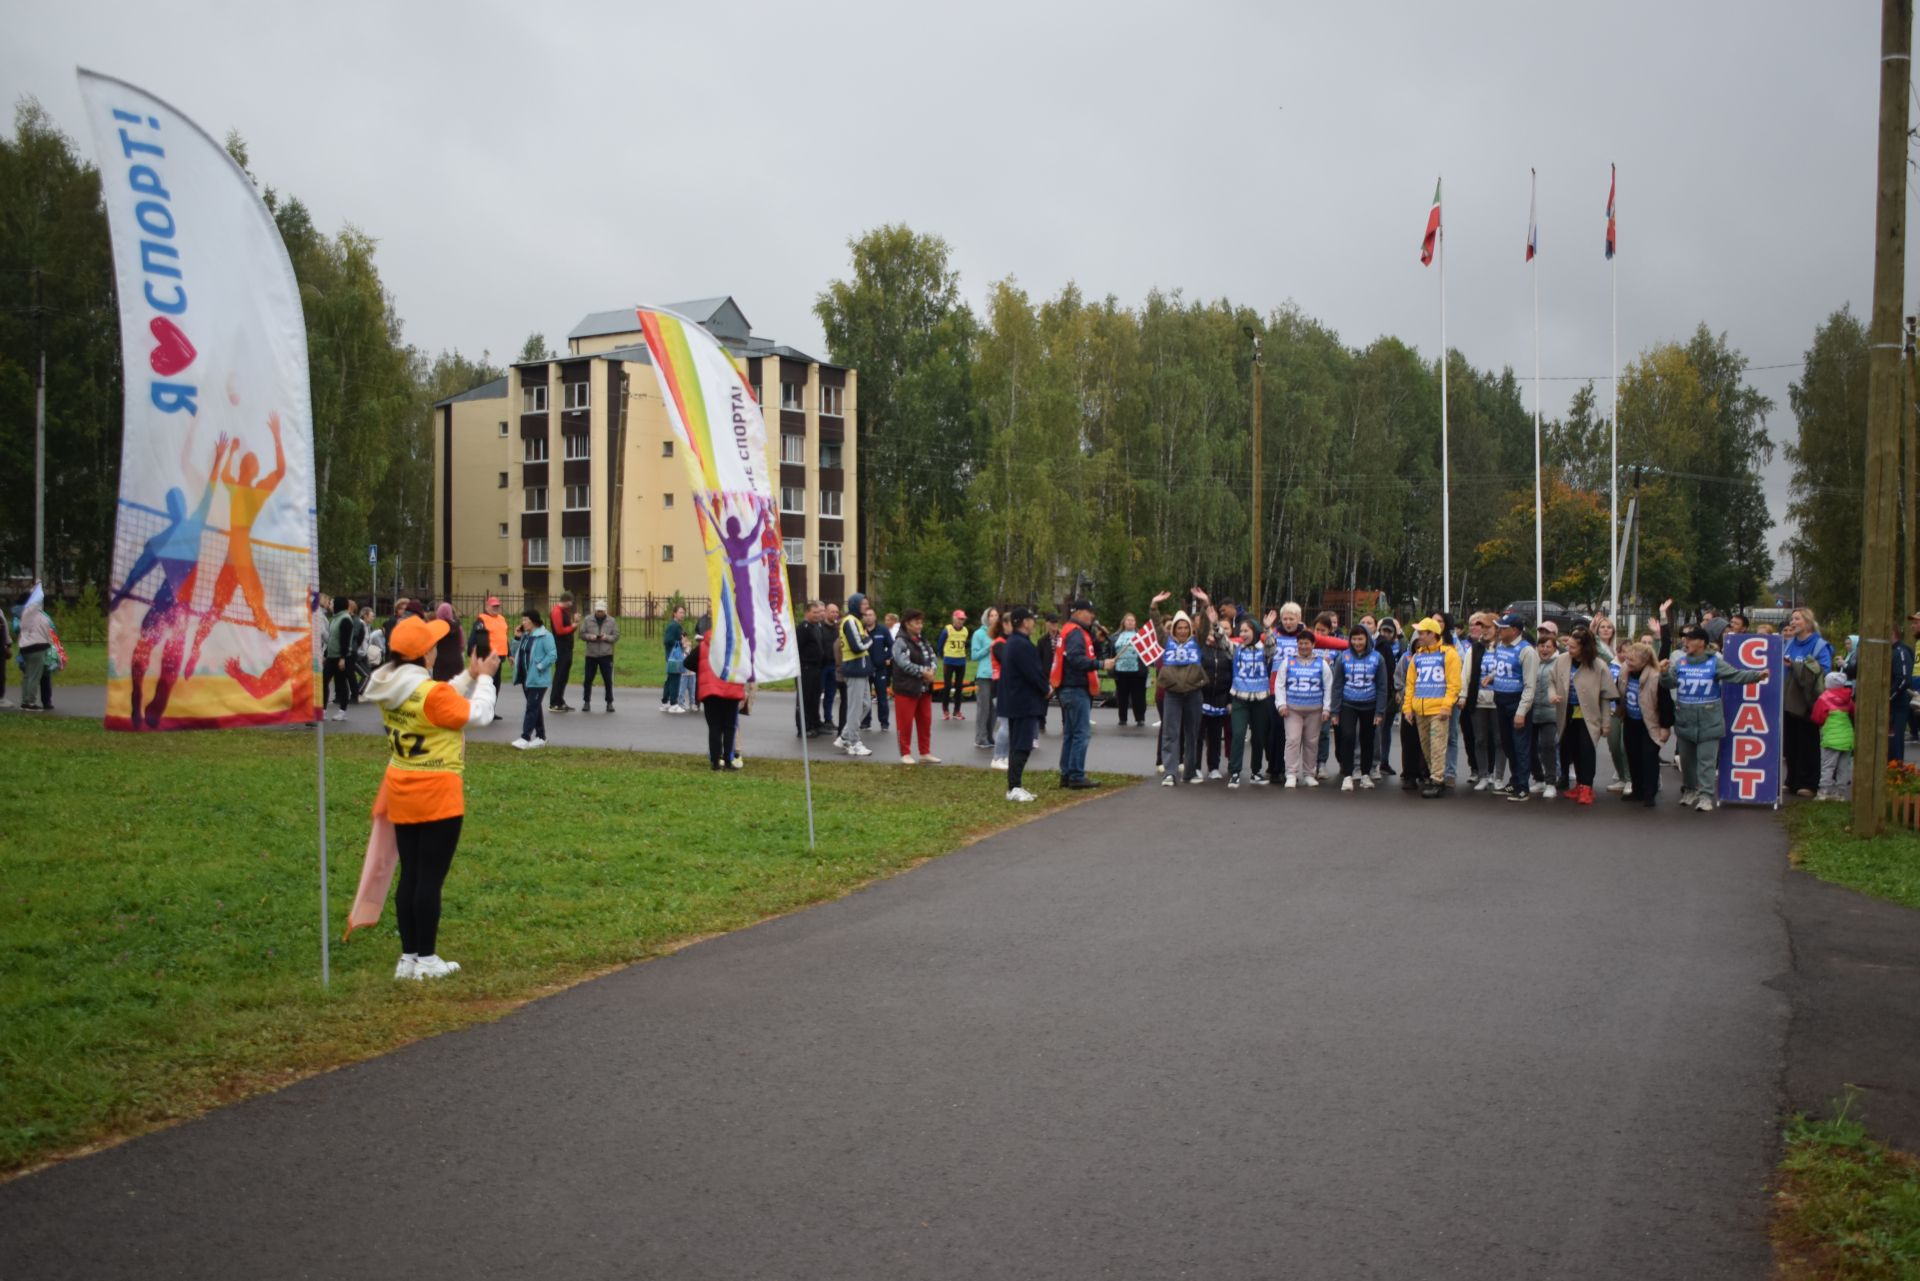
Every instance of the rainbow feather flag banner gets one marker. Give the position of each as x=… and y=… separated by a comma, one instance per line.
x=724, y=444
x=210, y=616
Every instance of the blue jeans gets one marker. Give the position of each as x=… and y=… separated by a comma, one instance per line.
x=1518, y=743
x=1453, y=742
x=1076, y=712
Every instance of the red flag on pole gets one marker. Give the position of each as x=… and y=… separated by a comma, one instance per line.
x=1433, y=227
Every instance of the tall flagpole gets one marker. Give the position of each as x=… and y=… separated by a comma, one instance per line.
x=1446, y=484
x=1613, y=432
x=1533, y=237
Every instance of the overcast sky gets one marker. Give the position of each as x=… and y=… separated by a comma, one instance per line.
x=523, y=165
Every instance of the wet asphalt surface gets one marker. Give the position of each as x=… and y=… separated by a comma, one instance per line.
x=1172, y=1033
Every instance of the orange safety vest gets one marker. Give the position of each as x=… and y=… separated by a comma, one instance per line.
x=496, y=625
x=1067, y=629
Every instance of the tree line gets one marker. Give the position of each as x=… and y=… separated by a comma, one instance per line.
x=1070, y=443
x=1032, y=448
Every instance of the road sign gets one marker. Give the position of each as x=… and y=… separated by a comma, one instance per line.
x=373, y=553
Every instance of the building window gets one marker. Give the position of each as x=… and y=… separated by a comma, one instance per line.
x=829, y=502
x=503, y=429
x=829, y=558
x=576, y=550
x=576, y=497
x=503, y=580
x=829, y=453
x=666, y=499
x=666, y=449
x=574, y=396
x=795, y=550
x=793, y=500
x=831, y=398
x=536, y=551
x=666, y=551
x=535, y=450
x=793, y=449
x=533, y=400
x=503, y=529
x=793, y=396
x=578, y=446
x=503, y=480
x=536, y=498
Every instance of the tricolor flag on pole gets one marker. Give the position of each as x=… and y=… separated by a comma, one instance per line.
x=210, y=618
x=713, y=411
x=1613, y=182
x=1533, y=220
x=1433, y=227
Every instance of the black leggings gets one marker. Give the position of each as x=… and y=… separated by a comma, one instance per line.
x=1643, y=762
x=723, y=717
x=426, y=852
x=1130, y=694
x=1579, y=746
x=956, y=674
x=1356, y=727
x=1213, y=739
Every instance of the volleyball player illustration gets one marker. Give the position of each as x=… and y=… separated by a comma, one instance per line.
x=247, y=493
x=175, y=552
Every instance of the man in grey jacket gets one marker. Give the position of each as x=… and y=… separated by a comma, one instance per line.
x=599, y=633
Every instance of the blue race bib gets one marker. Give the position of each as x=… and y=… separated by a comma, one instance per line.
x=1305, y=682
x=1251, y=674
x=1696, y=683
x=1430, y=674
x=1506, y=669
x=1363, y=676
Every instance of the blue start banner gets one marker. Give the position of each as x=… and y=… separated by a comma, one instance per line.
x=1750, y=754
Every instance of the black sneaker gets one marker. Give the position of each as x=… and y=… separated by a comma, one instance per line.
x=1519, y=796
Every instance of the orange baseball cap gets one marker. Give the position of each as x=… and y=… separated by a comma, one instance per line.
x=413, y=637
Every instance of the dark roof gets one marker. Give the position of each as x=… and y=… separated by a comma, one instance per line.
x=495, y=390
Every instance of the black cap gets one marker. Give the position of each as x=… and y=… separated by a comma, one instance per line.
x=1074, y=607
x=1020, y=614
x=1693, y=631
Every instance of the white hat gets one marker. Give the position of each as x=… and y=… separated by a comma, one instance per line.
x=600, y=605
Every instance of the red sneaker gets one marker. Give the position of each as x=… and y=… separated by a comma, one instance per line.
x=1586, y=794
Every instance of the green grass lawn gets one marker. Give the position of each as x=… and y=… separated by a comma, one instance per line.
x=159, y=946
x=1886, y=866
x=1845, y=1206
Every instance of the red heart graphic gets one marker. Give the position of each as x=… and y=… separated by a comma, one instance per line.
x=174, y=352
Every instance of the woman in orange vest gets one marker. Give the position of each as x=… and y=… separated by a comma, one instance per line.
x=491, y=624
x=421, y=794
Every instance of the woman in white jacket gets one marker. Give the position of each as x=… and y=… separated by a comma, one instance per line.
x=1303, y=694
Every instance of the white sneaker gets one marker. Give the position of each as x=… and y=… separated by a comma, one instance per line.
x=1199, y=778
x=336, y=715
x=6, y=702
x=999, y=764
x=1346, y=785
x=521, y=743
x=432, y=967
x=1627, y=790
x=908, y=760
x=1312, y=781
x=1168, y=781
x=1483, y=784
x=1549, y=792
x=1158, y=768
x=679, y=709
x=738, y=762
x=1616, y=786
x=1291, y=782
x=404, y=970
x=1154, y=723
x=1214, y=774
x=1536, y=787
x=538, y=742
x=931, y=760
x=859, y=749
x=1374, y=773
x=1021, y=795
x=1704, y=804
x=1688, y=796
x=1366, y=781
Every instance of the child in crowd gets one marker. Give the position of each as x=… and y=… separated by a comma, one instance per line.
x=1833, y=713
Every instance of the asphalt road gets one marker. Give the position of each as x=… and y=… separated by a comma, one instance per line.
x=1173, y=1033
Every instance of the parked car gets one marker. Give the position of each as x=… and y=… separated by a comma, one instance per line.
x=1561, y=616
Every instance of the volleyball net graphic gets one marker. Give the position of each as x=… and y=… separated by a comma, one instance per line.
x=286, y=572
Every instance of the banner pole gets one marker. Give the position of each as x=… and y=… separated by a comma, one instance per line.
x=806, y=758
x=1446, y=482
x=1613, y=440
x=320, y=756
x=1539, y=574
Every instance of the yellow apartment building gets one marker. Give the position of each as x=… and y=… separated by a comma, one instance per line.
x=565, y=475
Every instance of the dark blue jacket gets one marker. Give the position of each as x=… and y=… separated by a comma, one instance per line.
x=880, y=652
x=1022, y=688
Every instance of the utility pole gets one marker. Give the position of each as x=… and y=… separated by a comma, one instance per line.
x=40, y=439
x=1911, y=419
x=1884, y=414
x=1258, y=512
